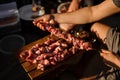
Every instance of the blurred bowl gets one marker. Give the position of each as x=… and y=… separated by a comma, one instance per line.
x=63, y=7
x=11, y=43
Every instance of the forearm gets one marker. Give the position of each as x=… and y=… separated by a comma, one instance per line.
x=88, y=14
x=80, y=16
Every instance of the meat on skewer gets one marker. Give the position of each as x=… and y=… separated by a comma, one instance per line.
x=45, y=55
x=77, y=42
x=53, y=51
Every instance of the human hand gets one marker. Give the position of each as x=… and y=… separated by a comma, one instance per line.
x=45, y=19
x=74, y=5
x=66, y=27
x=110, y=57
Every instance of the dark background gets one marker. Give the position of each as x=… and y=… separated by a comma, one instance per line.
x=10, y=69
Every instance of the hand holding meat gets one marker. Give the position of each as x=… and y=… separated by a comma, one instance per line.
x=44, y=19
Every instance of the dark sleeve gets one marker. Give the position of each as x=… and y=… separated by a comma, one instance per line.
x=117, y=2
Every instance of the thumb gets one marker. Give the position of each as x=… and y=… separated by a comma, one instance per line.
x=102, y=52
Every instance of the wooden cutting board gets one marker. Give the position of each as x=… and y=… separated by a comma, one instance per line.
x=30, y=68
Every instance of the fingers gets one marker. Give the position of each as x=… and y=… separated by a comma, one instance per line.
x=101, y=54
x=40, y=26
x=36, y=21
x=105, y=51
x=44, y=19
x=40, y=19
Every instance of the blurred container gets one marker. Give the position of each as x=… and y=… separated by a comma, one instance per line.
x=9, y=18
x=9, y=44
x=63, y=7
x=8, y=14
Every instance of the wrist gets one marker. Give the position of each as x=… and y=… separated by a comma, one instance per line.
x=52, y=16
x=56, y=18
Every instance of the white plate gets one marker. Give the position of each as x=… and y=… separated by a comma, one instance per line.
x=26, y=12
